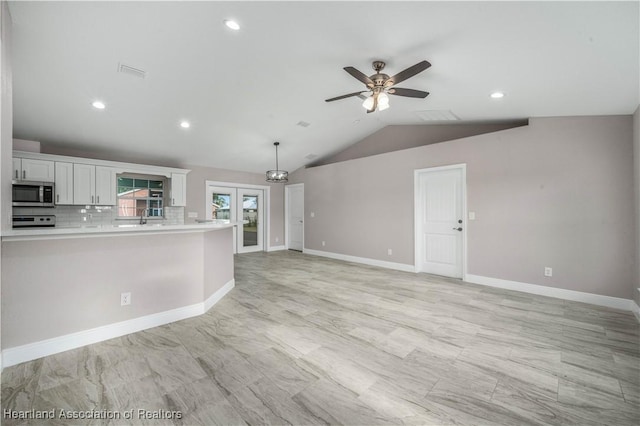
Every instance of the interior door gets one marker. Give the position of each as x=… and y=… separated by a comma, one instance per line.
x=295, y=217
x=250, y=231
x=440, y=222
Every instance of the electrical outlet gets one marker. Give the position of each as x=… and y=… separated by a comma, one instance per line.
x=323, y=244
x=548, y=272
x=192, y=215
x=389, y=252
x=125, y=299
x=277, y=240
x=313, y=214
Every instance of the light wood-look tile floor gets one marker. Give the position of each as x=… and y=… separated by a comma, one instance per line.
x=305, y=340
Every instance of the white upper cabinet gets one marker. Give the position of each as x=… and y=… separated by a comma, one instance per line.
x=84, y=184
x=105, y=186
x=85, y=181
x=94, y=185
x=178, y=189
x=64, y=183
x=36, y=170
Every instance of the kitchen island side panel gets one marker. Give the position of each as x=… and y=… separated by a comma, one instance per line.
x=218, y=260
x=52, y=288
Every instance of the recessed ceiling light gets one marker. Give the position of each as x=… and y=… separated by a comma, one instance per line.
x=99, y=105
x=185, y=124
x=232, y=24
x=497, y=95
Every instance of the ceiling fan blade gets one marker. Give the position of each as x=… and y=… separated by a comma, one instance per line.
x=410, y=93
x=360, y=76
x=409, y=72
x=337, y=98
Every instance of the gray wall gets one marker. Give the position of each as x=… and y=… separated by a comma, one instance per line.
x=196, y=195
x=77, y=283
x=635, y=285
x=396, y=138
x=558, y=192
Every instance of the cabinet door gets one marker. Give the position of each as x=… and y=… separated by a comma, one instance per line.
x=105, y=186
x=38, y=170
x=84, y=184
x=178, y=189
x=17, y=169
x=64, y=183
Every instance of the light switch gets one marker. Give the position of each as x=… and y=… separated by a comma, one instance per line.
x=472, y=215
x=313, y=214
x=193, y=215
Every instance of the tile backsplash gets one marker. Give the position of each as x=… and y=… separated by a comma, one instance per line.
x=97, y=215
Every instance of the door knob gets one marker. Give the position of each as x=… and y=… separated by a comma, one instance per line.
x=457, y=229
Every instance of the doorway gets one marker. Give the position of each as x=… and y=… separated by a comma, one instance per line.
x=440, y=226
x=294, y=216
x=243, y=205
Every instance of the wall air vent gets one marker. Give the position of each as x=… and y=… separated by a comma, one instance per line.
x=126, y=69
x=437, y=115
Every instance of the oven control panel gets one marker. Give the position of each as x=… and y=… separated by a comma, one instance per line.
x=33, y=221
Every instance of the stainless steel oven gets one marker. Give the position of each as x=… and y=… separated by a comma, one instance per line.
x=32, y=194
x=34, y=221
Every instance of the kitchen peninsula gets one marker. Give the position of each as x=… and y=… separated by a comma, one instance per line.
x=115, y=257
x=62, y=287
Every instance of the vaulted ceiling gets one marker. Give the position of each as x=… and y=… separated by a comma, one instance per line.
x=243, y=90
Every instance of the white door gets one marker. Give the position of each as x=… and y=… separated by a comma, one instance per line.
x=440, y=222
x=223, y=206
x=250, y=212
x=295, y=216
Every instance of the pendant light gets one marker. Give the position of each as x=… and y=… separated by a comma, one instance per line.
x=277, y=175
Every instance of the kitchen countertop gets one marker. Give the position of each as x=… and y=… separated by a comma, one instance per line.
x=109, y=230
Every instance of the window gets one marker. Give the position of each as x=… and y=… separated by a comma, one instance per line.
x=140, y=194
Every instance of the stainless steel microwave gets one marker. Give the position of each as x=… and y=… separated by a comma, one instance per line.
x=32, y=194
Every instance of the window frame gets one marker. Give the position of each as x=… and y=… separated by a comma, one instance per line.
x=148, y=177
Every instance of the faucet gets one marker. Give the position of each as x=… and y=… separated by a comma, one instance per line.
x=143, y=221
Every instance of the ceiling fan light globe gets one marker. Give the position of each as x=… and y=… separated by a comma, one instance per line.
x=368, y=103
x=383, y=99
x=382, y=107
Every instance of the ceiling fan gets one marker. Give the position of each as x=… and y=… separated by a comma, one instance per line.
x=379, y=85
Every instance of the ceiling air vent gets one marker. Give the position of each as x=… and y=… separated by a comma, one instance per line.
x=303, y=124
x=437, y=115
x=311, y=157
x=126, y=69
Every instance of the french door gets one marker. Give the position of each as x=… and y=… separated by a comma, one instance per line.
x=244, y=206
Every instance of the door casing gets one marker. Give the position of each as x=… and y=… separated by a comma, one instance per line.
x=266, y=229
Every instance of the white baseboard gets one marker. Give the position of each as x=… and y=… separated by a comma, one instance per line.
x=635, y=309
x=276, y=248
x=28, y=352
x=218, y=295
x=372, y=262
x=559, y=293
